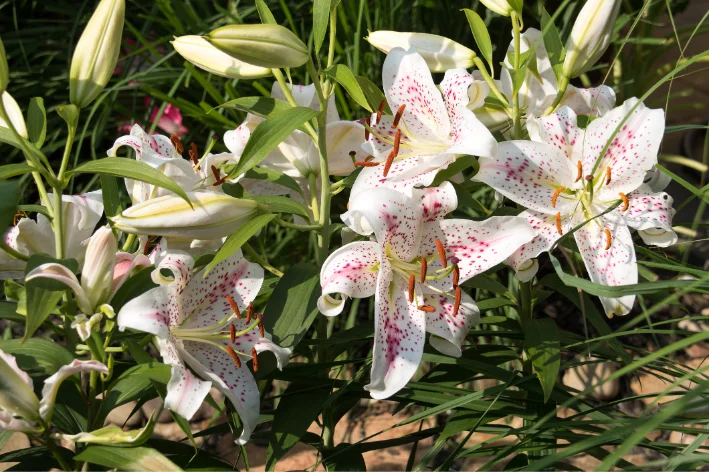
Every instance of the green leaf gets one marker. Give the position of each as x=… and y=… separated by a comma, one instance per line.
x=300, y=405
x=373, y=94
x=481, y=35
x=321, y=15
x=137, y=458
x=541, y=339
x=292, y=307
x=129, y=169
x=553, y=44
x=270, y=175
x=344, y=76
x=111, y=196
x=269, y=134
x=350, y=459
x=40, y=303
x=261, y=106
x=13, y=170
x=264, y=13
x=37, y=121
x=38, y=357
x=236, y=240
x=9, y=196
x=281, y=204
x=8, y=137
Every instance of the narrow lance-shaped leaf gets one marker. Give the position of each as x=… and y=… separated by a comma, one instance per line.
x=321, y=15
x=541, y=338
x=553, y=44
x=481, y=35
x=37, y=121
x=264, y=107
x=344, y=76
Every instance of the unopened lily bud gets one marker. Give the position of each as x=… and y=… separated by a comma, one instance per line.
x=204, y=55
x=501, y=7
x=96, y=53
x=212, y=216
x=590, y=36
x=97, y=274
x=271, y=46
x=440, y=53
x=4, y=69
x=15, y=114
x=16, y=393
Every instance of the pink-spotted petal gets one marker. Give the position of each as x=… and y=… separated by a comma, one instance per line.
x=205, y=297
x=633, y=150
x=436, y=202
x=529, y=173
x=648, y=210
x=394, y=218
x=478, y=245
x=559, y=130
x=235, y=140
x=126, y=263
x=185, y=392
x=454, y=88
x=399, y=334
x=448, y=330
x=52, y=384
x=282, y=354
x=407, y=81
x=150, y=312
x=470, y=136
x=612, y=267
x=350, y=271
x=236, y=383
x=381, y=137
x=595, y=101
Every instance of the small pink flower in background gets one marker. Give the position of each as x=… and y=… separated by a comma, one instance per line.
x=170, y=121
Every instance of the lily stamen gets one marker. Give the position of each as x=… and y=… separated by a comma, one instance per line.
x=367, y=125
x=380, y=110
x=254, y=359
x=456, y=275
x=426, y=308
x=579, y=174
x=217, y=176
x=397, y=141
x=424, y=269
x=398, y=115
x=558, y=192
x=232, y=333
x=609, y=238
x=626, y=202
x=442, y=253
x=249, y=312
x=369, y=158
x=365, y=164
x=412, y=283
x=389, y=161
x=234, y=356
x=234, y=306
x=456, y=301
x=557, y=220
x=608, y=175
x=261, y=330
x=194, y=155
x=177, y=144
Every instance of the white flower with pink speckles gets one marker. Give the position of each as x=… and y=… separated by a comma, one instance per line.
x=429, y=129
x=206, y=324
x=559, y=178
x=413, y=269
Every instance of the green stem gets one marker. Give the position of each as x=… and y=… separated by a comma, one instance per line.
x=563, y=85
x=59, y=214
x=289, y=97
x=287, y=224
x=490, y=81
x=56, y=452
x=17, y=255
x=313, y=188
x=261, y=261
x=129, y=242
x=516, y=116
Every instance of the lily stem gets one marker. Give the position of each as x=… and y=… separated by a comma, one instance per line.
x=56, y=452
x=517, y=62
x=289, y=97
x=261, y=261
x=490, y=81
x=287, y=224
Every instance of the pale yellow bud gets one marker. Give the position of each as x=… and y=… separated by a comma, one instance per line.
x=590, y=36
x=440, y=53
x=204, y=55
x=271, y=46
x=97, y=274
x=15, y=114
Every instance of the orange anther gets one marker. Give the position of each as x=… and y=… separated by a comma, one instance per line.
x=556, y=195
x=367, y=124
x=456, y=275
x=249, y=312
x=579, y=171
x=368, y=158
x=609, y=238
x=232, y=333
x=254, y=359
x=442, y=253
x=608, y=175
x=234, y=356
x=365, y=164
x=557, y=220
x=397, y=141
x=456, y=302
x=234, y=306
x=424, y=269
x=626, y=202
x=389, y=162
x=412, y=283
x=194, y=155
x=261, y=331
x=380, y=110
x=176, y=143
x=398, y=115
x=426, y=308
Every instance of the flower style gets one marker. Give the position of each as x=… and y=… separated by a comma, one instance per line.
x=104, y=272
x=413, y=269
x=428, y=130
x=198, y=323
x=565, y=176
x=20, y=409
x=538, y=90
x=81, y=214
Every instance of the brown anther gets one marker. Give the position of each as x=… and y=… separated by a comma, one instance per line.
x=588, y=178
x=232, y=333
x=398, y=115
x=352, y=155
x=424, y=269
x=579, y=173
x=557, y=220
x=250, y=312
x=380, y=110
x=234, y=356
x=261, y=330
x=389, y=162
x=456, y=275
x=368, y=158
x=397, y=141
x=146, y=249
x=556, y=195
x=217, y=177
x=609, y=238
x=234, y=306
x=456, y=302
x=254, y=359
x=194, y=154
x=626, y=202
x=177, y=144
x=608, y=175
x=17, y=217
x=367, y=124
x=365, y=164
x=412, y=284
x=442, y=253
x=426, y=308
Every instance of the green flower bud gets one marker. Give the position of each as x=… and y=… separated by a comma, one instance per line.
x=271, y=46
x=590, y=36
x=202, y=54
x=4, y=70
x=96, y=53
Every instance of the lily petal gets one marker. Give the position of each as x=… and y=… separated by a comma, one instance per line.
x=185, y=392
x=342, y=138
x=235, y=140
x=282, y=354
x=447, y=330
x=52, y=384
x=437, y=202
x=125, y=264
x=595, y=101
x=60, y=273
x=649, y=211
x=16, y=391
x=632, y=152
x=399, y=334
x=150, y=313
x=559, y=130
x=611, y=267
x=529, y=173
x=404, y=175
x=350, y=271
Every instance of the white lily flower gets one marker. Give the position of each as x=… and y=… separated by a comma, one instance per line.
x=81, y=214
x=195, y=325
x=410, y=233
x=555, y=176
x=20, y=409
x=429, y=130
